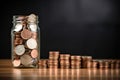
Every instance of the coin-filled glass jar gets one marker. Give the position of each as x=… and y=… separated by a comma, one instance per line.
x=25, y=41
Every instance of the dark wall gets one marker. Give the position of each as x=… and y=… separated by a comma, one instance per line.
x=81, y=27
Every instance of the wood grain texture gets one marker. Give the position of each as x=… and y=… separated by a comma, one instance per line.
x=7, y=72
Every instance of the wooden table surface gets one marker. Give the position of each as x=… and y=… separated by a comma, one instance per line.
x=7, y=72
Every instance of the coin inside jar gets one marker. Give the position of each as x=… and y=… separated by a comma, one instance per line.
x=34, y=53
x=18, y=41
x=18, y=27
x=33, y=27
x=19, y=50
x=34, y=35
x=31, y=43
x=26, y=60
x=16, y=63
x=26, y=34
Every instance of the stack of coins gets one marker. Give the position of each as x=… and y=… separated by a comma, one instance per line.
x=107, y=64
x=43, y=63
x=117, y=65
x=65, y=61
x=53, y=59
x=25, y=48
x=101, y=64
x=104, y=64
x=112, y=64
x=86, y=61
x=75, y=62
x=94, y=64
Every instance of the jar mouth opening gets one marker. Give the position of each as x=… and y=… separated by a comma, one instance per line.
x=23, y=18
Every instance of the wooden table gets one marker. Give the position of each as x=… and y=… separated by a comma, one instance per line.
x=7, y=72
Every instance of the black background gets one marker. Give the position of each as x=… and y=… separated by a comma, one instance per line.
x=77, y=27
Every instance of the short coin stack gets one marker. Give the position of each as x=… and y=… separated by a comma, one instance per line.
x=65, y=61
x=43, y=63
x=104, y=64
x=53, y=59
x=75, y=62
x=86, y=61
x=94, y=64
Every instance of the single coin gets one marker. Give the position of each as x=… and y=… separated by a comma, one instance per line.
x=33, y=27
x=76, y=57
x=19, y=50
x=18, y=27
x=34, y=53
x=31, y=43
x=26, y=60
x=26, y=34
x=32, y=18
x=16, y=63
x=34, y=35
x=18, y=41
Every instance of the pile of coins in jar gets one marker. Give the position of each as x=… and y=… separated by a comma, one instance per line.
x=25, y=45
x=65, y=61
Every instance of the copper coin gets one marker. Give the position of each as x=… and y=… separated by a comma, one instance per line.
x=31, y=43
x=54, y=53
x=75, y=67
x=94, y=64
x=64, y=55
x=34, y=35
x=54, y=57
x=43, y=60
x=34, y=53
x=52, y=61
x=65, y=67
x=53, y=67
x=76, y=57
x=18, y=41
x=16, y=63
x=26, y=34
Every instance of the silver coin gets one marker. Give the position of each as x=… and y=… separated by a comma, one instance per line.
x=26, y=60
x=19, y=50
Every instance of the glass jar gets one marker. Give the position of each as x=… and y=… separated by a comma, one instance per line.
x=25, y=41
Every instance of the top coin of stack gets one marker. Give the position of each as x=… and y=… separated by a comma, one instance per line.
x=53, y=54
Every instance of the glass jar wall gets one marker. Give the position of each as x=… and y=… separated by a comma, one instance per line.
x=25, y=41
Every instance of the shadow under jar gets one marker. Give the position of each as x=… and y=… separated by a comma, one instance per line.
x=25, y=41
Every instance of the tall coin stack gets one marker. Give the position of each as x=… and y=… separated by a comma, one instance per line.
x=75, y=62
x=117, y=66
x=43, y=63
x=112, y=64
x=94, y=64
x=86, y=61
x=64, y=61
x=53, y=59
